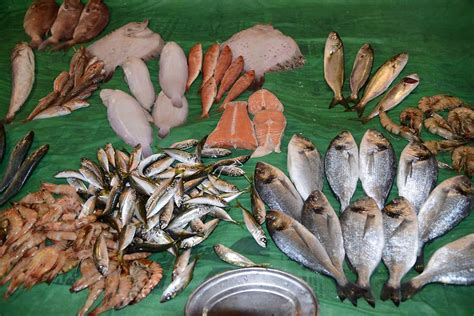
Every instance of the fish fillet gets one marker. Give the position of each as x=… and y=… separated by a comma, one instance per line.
x=269, y=128
x=234, y=129
x=262, y=100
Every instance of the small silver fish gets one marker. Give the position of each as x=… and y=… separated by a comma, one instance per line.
x=179, y=283
x=232, y=257
x=100, y=255
x=254, y=228
x=361, y=70
x=334, y=67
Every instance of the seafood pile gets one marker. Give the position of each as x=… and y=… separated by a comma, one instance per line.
x=305, y=227
x=71, y=88
x=72, y=22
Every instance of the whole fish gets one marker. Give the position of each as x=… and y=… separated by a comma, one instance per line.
x=196, y=240
x=3, y=141
x=319, y=217
x=361, y=70
x=401, y=244
x=377, y=166
x=232, y=257
x=65, y=23
x=341, y=165
x=254, y=228
x=230, y=76
x=305, y=166
x=362, y=231
x=334, y=67
x=381, y=80
x=208, y=95
x=276, y=190
x=138, y=80
x=258, y=206
x=210, y=62
x=394, y=96
x=451, y=264
x=166, y=115
x=38, y=20
x=101, y=255
x=223, y=63
x=215, y=152
x=23, y=77
x=239, y=87
x=128, y=200
x=179, y=283
x=300, y=245
x=449, y=203
x=173, y=73
x=185, y=144
x=417, y=173
x=194, y=64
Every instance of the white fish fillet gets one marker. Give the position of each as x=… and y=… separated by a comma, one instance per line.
x=139, y=82
x=128, y=119
x=134, y=39
x=173, y=72
x=23, y=77
x=167, y=116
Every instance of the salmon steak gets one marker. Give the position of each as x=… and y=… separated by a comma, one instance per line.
x=262, y=100
x=269, y=128
x=234, y=129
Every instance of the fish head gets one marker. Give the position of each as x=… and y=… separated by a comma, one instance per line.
x=365, y=51
x=316, y=202
x=366, y=205
x=417, y=151
x=399, y=61
x=377, y=140
x=343, y=142
x=412, y=79
x=277, y=220
x=333, y=43
x=265, y=172
x=400, y=207
x=302, y=143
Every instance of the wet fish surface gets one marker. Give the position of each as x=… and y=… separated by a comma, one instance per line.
x=361, y=69
x=334, y=67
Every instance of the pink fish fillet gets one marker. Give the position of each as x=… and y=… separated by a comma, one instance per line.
x=269, y=128
x=262, y=100
x=210, y=62
x=194, y=64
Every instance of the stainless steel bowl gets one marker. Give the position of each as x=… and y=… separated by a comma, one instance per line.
x=253, y=291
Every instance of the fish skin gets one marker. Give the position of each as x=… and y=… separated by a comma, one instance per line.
x=305, y=166
x=232, y=257
x=208, y=95
x=319, y=218
x=210, y=62
x=377, y=166
x=230, y=76
x=341, y=165
x=23, y=78
x=239, y=87
x=451, y=264
x=417, y=173
x=394, y=96
x=401, y=244
x=276, y=190
x=194, y=64
x=363, y=234
x=173, y=73
x=361, y=70
x=138, y=80
x=38, y=20
x=447, y=205
x=223, y=63
x=334, y=67
x=381, y=80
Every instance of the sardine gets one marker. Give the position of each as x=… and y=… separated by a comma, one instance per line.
x=128, y=200
x=334, y=67
x=196, y=240
x=38, y=20
x=417, y=173
x=232, y=257
x=401, y=244
x=276, y=190
x=179, y=283
x=377, y=166
x=258, y=207
x=184, y=218
x=451, y=264
x=215, y=152
x=449, y=203
x=362, y=231
x=381, y=80
x=253, y=227
x=361, y=70
x=341, y=165
x=305, y=166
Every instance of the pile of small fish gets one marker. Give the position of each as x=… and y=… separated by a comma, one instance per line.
x=71, y=88
x=19, y=166
x=72, y=22
x=306, y=228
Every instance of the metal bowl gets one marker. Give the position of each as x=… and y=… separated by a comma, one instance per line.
x=253, y=291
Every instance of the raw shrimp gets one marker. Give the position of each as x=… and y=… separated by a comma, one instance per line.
x=63, y=189
x=439, y=103
x=412, y=118
x=39, y=197
x=94, y=292
x=155, y=273
x=404, y=131
x=461, y=120
x=436, y=146
x=463, y=160
x=436, y=124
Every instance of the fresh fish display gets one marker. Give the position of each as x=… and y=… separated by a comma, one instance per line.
x=363, y=234
x=258, y=206
x=341, y=165
x=139, y=82
x=17, y=157
x=242, y=84
x=448, y=204
x=38, y=20
x=223, y=63
x=210, y=62
x=23, y=78
x=417, y=173
x=451, y=264
x=381, y=80
x=461, y=120
x=230, y=76
x=128, y=119
x=277, y=191
x=361, y=70
x=377, y=166
x=133, y=39
x=254, y=228
x=269, y=129
x=173, y=73
x=401, y=244
x=208, y=95
x=334, y=67
x=262, y=100
x=231, y=257
x=179, y=283
x=305, y=165
x=194, y=64
x=166, y=116
x=463, y=160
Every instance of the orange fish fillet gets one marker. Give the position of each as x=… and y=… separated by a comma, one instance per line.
x=239, y=86
x=269, y=128
x=231, y=74
x=208, y=94
x=234, y=130
x=194, y=64
x=223, y=63
x=210, y=62
x=262, y=100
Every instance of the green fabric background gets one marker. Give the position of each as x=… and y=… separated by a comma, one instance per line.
x=437, y=35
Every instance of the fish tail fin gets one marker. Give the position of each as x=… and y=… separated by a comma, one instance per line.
x=35, y=42
x=49, y=41
x=348, y=291
x=408, y=290
x=204, y=115
x=420, y=264
x=366, y=293
x=177, y=101
x=342, y=101
x=163, y=132
x=360, y=110
x=390, y=292
x=353, y=99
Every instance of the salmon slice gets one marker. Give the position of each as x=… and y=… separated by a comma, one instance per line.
x=223, y=63
x=208, y=94
x=235, y=129
x=239, y=87
x=262, y=100
x=269, y=128
x=194, y=64
x=210, y=62
x=231, y=74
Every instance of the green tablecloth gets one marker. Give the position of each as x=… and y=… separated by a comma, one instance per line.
x=435, y=33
